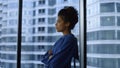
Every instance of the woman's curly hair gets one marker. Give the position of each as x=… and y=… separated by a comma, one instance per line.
x=69, y=14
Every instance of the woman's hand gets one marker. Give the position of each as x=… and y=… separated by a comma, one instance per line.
x=50, y=56
x=50, y=52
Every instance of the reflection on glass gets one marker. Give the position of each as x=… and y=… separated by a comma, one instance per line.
x=8, y=33
x=103, y=47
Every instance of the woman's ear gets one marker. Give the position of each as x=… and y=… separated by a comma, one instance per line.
x=67, y=24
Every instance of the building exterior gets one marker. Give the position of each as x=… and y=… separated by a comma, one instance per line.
x=38, y=31
x=103, y=33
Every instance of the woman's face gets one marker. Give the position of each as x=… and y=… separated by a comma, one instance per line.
x=60, y=25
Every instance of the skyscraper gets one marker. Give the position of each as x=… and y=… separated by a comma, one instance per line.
x=103, y=34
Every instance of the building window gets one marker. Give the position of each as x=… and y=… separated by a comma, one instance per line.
x=9, y=39
x=13, y=22
x=39, y=57
x=34, y=13
x=27, y=65
x=33, y=30
x=41, y=20
x=107, y=21
x=33, y=22
x=106, y=35
x=40, y=48
x=51, y=20
x=103, y=48
x=27, y=48
x=13, y=5
x=33, y=39
x=118, y=34
x=89, y=11
x=118, y=7
x=41, y=2
x=107, y=7
x=102, y=62
x=51, y=11
x=40, y=66
x=41, y=39
x=34, y=4
x=41, y=29
x=101, y=35
x=51, y=2
x=51, y=30
x=118, y=21
x=65, y=0
x=41, y=11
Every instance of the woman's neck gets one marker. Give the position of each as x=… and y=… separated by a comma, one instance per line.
x=66, y=32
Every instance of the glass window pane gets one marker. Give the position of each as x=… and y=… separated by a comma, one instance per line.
x=118, y=7
x=40, y=17
x=8, y=33
x=107, y=21
x=107, y=7
x=118, y=20
x=118, y=34
x=103, y=47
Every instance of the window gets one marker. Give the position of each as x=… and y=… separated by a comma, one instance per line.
x=39, y=57
x=118, y=34
x=27, y=65
x=51, y=20
x=38, y=30
x=41, y=29
x=41, y=11
x=13, y=13
x=33, y=39
x=9, y=31
x=107, y=7
x=33, y=21
x=102, y=42
x=13, y=22
x=28, y=48
x=118, y=21
x=13, y=5
x=40, y=66
x=107, y=21
x=51, y=30
x=34, y=13
x=101, y=35
x=41, y=2
x=103, y=49
x=40, y=48
x=102, y=62
x=107, y=35
x=118, y=7
x=52, y=2
x=41, y=20
x=28, y=57
x=34, y=4
x=33, y=30
x=52, y=11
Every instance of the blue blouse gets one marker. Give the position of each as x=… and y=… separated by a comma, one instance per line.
x=63, y=51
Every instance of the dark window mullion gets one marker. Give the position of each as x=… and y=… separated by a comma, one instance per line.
x=19, y=34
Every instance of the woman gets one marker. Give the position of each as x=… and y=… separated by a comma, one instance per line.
x=66, y=48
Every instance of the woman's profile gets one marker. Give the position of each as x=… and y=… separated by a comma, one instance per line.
x=66, y=47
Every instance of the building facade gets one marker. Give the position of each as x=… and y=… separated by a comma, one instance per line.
x=103, y=33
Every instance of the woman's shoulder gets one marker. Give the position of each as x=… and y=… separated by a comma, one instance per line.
x=70, y=37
